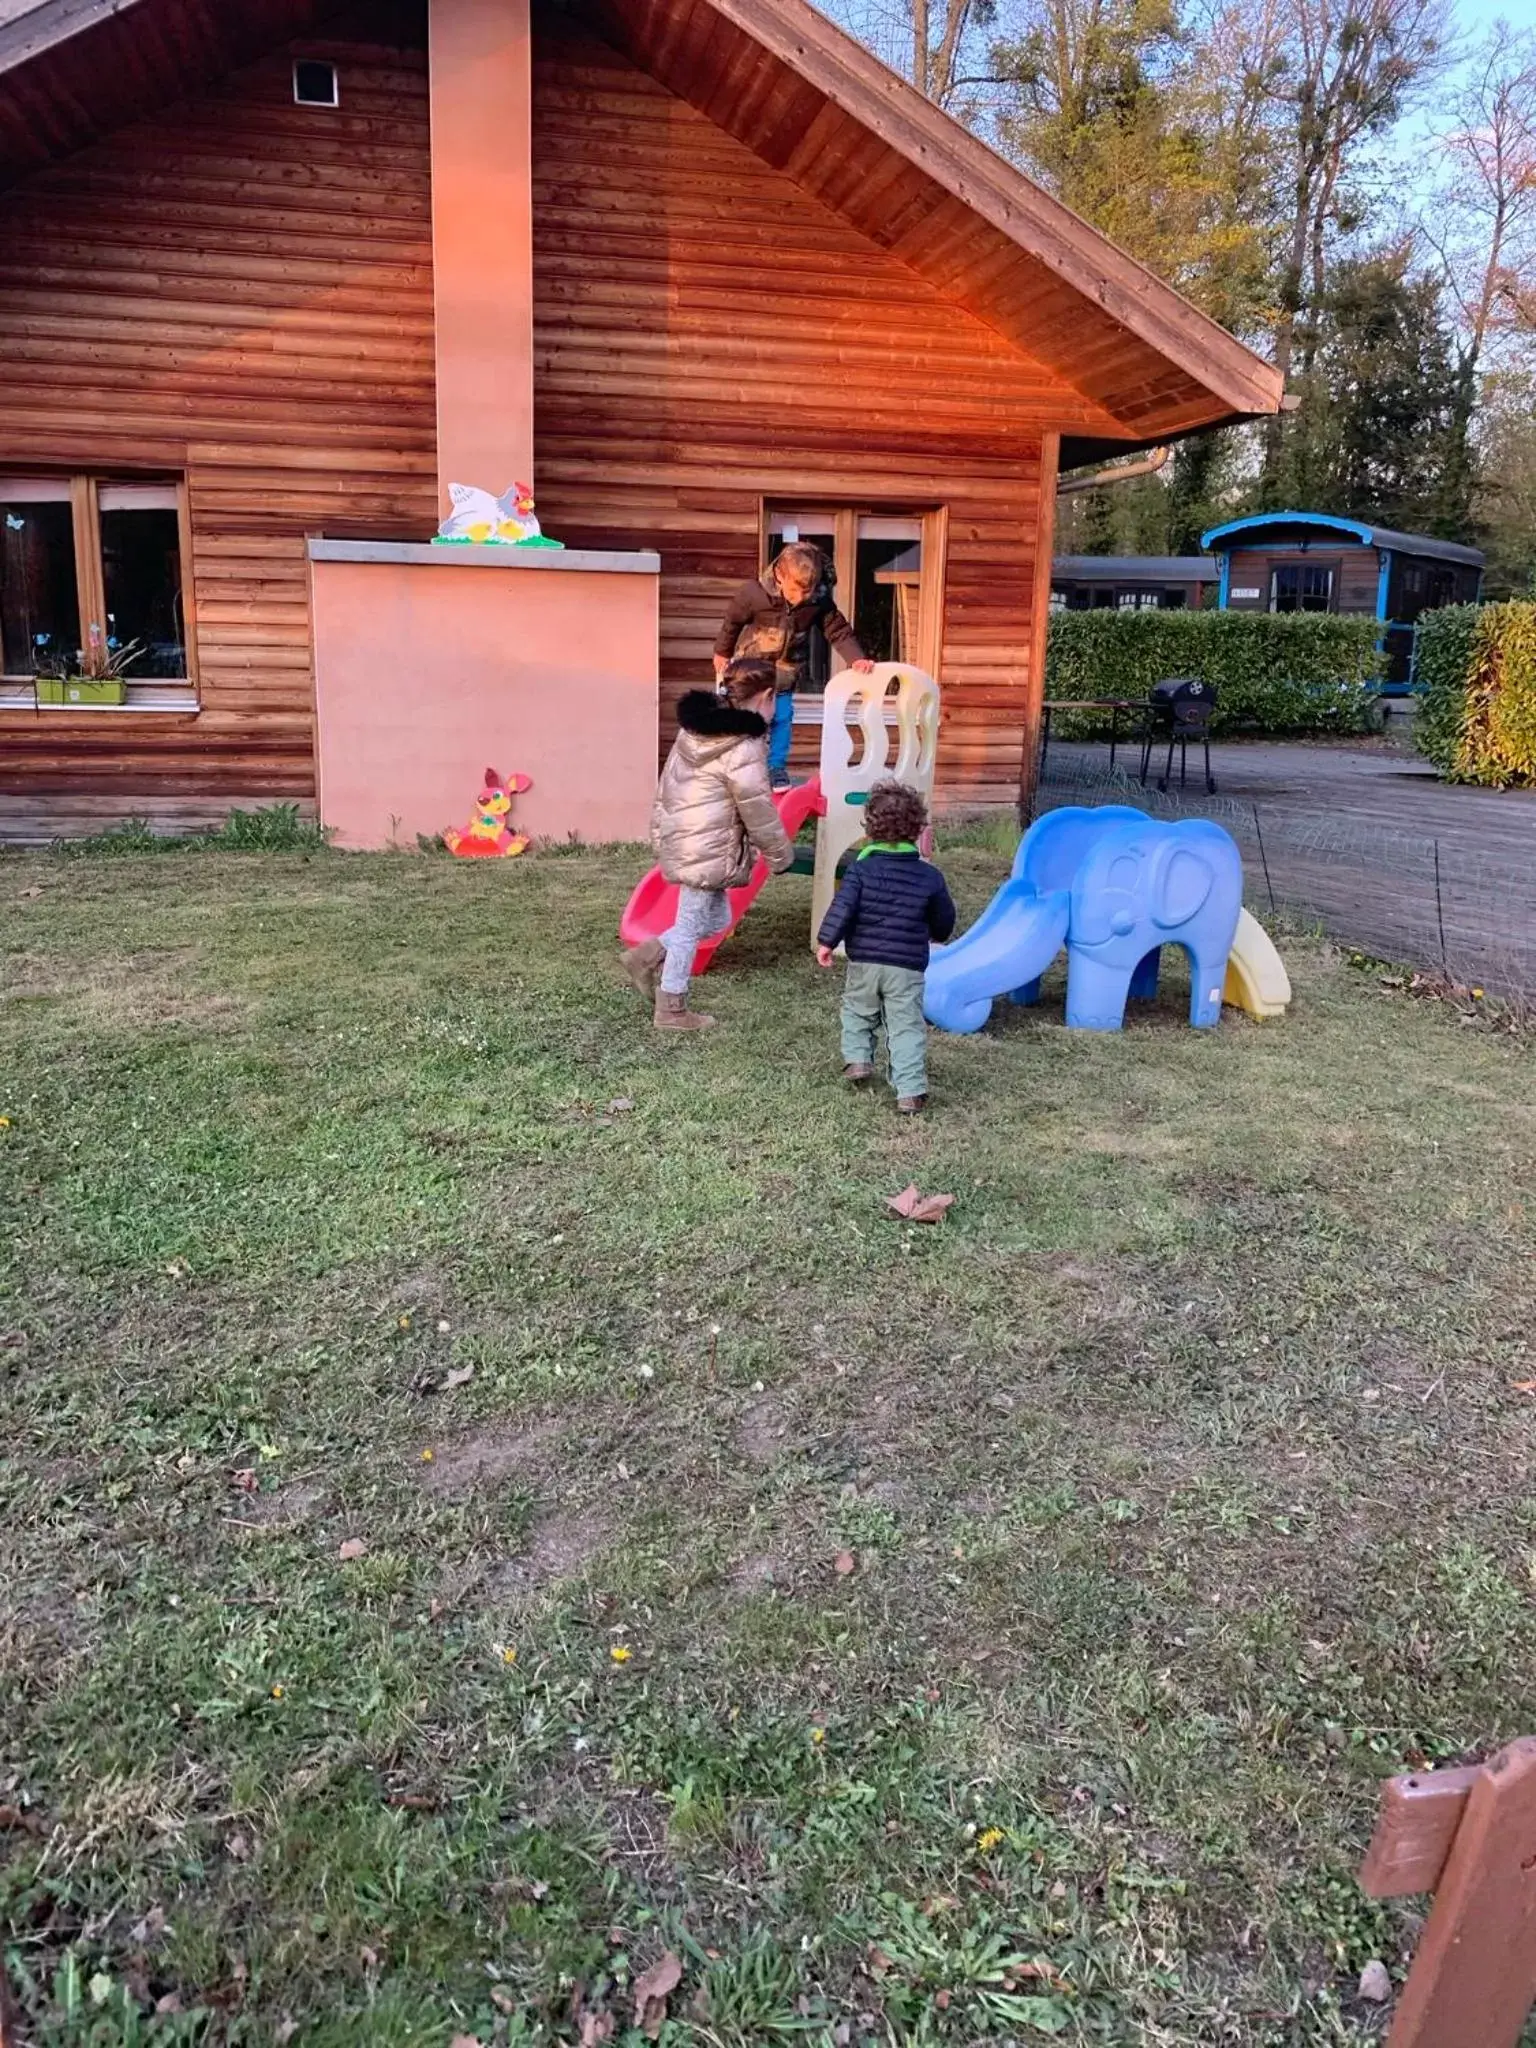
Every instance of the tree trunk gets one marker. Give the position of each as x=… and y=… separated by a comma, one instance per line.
x=920, y=57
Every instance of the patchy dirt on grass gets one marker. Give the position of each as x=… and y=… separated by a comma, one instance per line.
x=760, y=1573
x=560, y=1546
x=763, y=1431
x=284, y=1508
x=134, y=993
x=486, y=1458
x=636, y=1825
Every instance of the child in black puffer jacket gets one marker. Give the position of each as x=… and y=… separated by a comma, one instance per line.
x=891, y=904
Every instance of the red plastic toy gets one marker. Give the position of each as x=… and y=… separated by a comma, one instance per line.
x=653, y=907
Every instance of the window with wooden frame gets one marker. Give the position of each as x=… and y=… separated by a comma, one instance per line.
x=887, y=577
x=93, y=586
x=1302, y=587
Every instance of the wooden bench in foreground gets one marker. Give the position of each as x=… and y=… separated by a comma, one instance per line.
x=1468, y=1836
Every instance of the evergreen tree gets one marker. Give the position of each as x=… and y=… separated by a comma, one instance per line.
x=1378, y=406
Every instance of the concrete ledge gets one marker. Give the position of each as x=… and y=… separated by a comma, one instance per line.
x=643, y=562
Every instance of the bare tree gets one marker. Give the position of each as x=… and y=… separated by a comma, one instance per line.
x=1482, y=226
x=929, y=41
x=1336, y=73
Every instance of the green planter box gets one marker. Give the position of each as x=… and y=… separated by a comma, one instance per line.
x=81, y=690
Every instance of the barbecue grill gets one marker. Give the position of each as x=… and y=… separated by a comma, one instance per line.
x=1178, y=711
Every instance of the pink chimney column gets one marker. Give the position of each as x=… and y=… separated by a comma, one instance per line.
x=481, y=78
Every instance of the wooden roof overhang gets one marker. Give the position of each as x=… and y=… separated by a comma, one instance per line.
x=808, y=100
x=815, y=104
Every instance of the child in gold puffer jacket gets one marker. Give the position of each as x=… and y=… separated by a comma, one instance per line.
x=714, y=815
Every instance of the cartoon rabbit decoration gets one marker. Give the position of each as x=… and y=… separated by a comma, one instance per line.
x=489, y=834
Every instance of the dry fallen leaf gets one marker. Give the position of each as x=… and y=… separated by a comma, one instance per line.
x=459, y=1377
x=913, y=1207
x=842, y=1564
x=593, y=2025
x=244, y=1481
x=652, y=1990
x=238, y=1849
x=1524, y=1386
x=503, y=2000
x=17, y=1817
x=465, y=2041
x=353, y=1548
x=620, y=1106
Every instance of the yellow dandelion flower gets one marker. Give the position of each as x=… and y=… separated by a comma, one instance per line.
x=427, y=1456
x=404, y=1322
x=818, y=1735
x=990, y=1839
x=621, y=1653
x=277, y=1692
x=509, y=1653
x=5, y=1123
x=1477, y=993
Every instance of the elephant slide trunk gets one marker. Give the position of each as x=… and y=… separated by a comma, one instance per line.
x=1014, y=940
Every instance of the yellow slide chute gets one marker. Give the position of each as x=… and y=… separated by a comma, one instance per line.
x=1256, y=978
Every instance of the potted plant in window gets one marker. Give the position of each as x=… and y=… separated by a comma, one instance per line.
x=93, y=674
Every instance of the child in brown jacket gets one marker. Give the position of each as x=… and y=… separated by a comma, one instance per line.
x=714, y=815
x=772, y=619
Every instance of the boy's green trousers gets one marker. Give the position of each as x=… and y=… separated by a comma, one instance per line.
x=893, y=996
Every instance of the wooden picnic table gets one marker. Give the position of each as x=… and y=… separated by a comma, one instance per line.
x=1113, y=705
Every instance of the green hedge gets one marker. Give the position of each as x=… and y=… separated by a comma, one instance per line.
x=1442, y=664
x=1292, y=672
x=1477, y=718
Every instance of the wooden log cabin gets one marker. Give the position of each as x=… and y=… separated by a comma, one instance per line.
x=703, y=272
x=1317, y=562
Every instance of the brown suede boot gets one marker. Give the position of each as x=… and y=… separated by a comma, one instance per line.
x=673, y=1014
x=911, y=1105
x=642, y=964
x=857, y=1074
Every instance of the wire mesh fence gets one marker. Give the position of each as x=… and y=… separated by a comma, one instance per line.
x=1459, y=901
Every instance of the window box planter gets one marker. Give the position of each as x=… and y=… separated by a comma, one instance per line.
x=67, y=690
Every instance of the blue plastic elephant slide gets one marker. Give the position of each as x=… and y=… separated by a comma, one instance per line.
x=1114, y=886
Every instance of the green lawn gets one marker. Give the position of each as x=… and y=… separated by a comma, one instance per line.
x=1183, y=1475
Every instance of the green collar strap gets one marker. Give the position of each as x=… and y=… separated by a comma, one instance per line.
x=887, y=846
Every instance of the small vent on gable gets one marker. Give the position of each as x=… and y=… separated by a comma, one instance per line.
x=315, y=83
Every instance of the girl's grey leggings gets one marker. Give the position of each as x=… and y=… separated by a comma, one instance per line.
x=700, y=914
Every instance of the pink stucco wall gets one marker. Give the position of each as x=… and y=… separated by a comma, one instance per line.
x=429, y=670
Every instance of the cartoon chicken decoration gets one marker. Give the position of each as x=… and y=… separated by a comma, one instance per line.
x=489, y=834
x=508, y=521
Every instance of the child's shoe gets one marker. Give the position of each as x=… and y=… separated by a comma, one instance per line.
x=857, y=1073
x=673, y=1014
x=911, y=1105
x=642, y=964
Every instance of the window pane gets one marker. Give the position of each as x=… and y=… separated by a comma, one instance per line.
x=888, y=586
x=39, y=610
x=141, y=570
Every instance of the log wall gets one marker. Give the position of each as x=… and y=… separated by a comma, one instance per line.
x=706, y=335
x=239, y=291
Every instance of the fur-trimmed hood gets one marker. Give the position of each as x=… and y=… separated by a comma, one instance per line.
x=713, y=717
x=714, y=810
